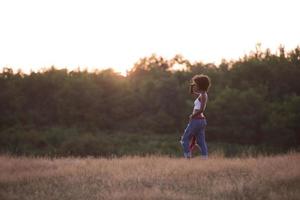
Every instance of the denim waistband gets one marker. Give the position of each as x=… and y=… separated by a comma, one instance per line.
x=199, y=118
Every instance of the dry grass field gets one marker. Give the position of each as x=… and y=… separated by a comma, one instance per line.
x=150, y=177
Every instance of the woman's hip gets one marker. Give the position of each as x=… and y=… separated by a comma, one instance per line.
x=199, y=122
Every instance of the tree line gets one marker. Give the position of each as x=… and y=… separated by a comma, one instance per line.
x=253, y=100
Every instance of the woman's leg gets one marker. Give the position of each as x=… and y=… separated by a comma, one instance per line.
x=185, y=141
x=192, y=143
x=200, y=135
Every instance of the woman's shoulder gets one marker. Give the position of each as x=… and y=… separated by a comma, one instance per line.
x=202, y=94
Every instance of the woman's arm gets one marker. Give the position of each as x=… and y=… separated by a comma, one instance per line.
x=196, y=93
x=192, y=90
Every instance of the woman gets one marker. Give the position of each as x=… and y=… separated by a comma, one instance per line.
x=197, y=121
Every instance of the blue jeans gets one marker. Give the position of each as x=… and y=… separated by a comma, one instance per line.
x=195, y=127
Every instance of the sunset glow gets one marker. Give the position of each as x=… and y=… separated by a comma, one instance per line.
x=115, y=33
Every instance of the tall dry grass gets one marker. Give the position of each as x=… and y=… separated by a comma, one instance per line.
x=152, y=177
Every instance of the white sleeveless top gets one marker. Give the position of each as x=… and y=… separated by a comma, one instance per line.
x=197, y=103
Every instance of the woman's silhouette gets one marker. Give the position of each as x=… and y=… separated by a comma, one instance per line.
x=195, y=130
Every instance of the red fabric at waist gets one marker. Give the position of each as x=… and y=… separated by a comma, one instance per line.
x=199, y=116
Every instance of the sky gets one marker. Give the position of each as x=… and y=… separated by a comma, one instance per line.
x=100, y=34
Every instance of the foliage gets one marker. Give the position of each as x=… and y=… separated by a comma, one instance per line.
x=254, y=100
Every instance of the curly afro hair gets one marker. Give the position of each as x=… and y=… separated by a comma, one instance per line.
x=202, y=81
